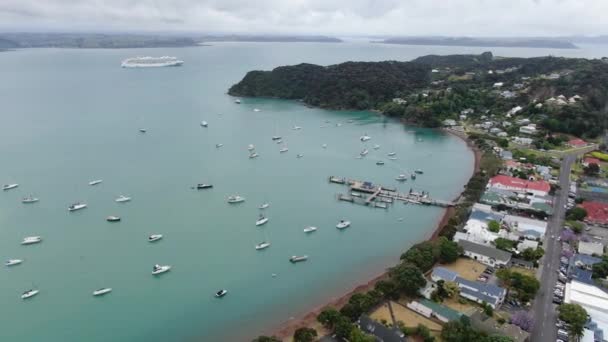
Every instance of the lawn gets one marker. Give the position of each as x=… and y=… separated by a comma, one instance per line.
x=405, y=315
x=466, y=268
x=524, y=271
x=468, y=308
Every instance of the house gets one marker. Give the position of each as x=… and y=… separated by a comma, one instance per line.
x=498, y=84
x=441, y=273
x=593, y=299
x=527, y=244
x=597, y=212
x=429, y=309
x=522, y=141
x=539, y=188
x=529, y=129
x=502, y=134
x=514, y=110
x=449, y=122
x=588, y=160
x=399, y=101
x=577, y=143
x=583, y=261
x=527, y=227
x=381, y=332
x=490, y=326
x=479, y=292
x=506, y=155
x=507, y=94
x=522, y=263
x=590, y=248
x=523, y=122
x=485, y=254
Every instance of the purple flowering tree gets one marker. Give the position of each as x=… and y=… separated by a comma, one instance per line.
x=523, y=320
x=568, y=235
x=567, y=253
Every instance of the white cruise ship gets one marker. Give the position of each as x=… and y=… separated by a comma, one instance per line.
x=150, y=62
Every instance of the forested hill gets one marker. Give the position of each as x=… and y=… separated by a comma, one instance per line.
x=433, y=88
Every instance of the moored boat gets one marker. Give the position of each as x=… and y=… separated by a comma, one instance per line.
x=29, y=293
x=158, y=269
x=276, y=137
x=262, y=245
x=95, y=182
x=221, y=293
x=418, y=171
x=379, y=162
x=299, y=155
x=365, y=137
x=253, y=155
x=102, y=291
x=235, y=199
x=261, y=220
x=218, y=145
x=343, y=224
x=401, y=178
x=376, y=147
x=204, y=124
x=9, y=186
x=364, y=153
x=122, y=199
x=113, y=219
x=237, y=101
x=12, y=262
x=264, y=205
x=310, y=229
x=284, y=149
x=155, y=237
x=296, y=258
x=77, y=206
x=202, y=186
x=392, y=154
x=29, y=199
x=143, y=130
x=30, y=240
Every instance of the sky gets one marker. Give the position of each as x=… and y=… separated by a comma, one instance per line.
x=506, y=18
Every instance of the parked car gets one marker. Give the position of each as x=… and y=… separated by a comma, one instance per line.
x=557, y=300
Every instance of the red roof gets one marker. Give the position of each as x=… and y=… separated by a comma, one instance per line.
x=519, y=183
x=597, y=212
x=577, y=143
x=590, y=160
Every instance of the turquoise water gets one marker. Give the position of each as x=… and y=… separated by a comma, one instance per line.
x=72, y=116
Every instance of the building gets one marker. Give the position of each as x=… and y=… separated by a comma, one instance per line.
x=527, y=244
x=485, y=254
x=590, y=248
x=514, y=110
x=381, y=332
x=588, y=160
x=522, y=263
x=527, y=227
x=539, y=188
x=449, y=122
x=593, y=299
x=440, y=273
x=597, y=212
x=522, y=141
x=490, y=326
x=498, y=84
x=576, y=143
x=430, y=309
x=478, y=292
x=528, y=129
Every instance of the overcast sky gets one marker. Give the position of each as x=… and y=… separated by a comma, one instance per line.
x=329, y=17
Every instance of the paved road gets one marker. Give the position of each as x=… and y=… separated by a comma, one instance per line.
x=543, y=309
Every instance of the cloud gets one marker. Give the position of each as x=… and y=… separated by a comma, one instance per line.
x=332, y=17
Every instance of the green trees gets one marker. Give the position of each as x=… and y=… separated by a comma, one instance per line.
x=408, y=278
x=328, y=317
x=524, y=286
x=421, y=331
x=266, y=339
x=600, y=270
x=576, y=214
x=360, y=303
x=504, y=244
x=532, y=254
x=449, y=251
x=493, y=226
x=304, y=334
x=462, y=331
x=592, y=169
x=423, y=255
x=575, y=316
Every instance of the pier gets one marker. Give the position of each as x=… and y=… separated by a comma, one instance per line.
x=374, y=195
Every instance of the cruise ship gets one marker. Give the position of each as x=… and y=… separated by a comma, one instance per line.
x=150, y=62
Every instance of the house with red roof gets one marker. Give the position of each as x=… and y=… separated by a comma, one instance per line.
x=590, y=160
x=576, y=143
x=538, y=188
x=597, y=212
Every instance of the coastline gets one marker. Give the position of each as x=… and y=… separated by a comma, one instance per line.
x=285, y=330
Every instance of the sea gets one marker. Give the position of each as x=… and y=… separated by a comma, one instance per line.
x=71, y=116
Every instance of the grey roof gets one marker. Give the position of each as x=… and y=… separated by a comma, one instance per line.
x=480, y=296
x=489, y=289
x=488, y=251
x=522, y=262
x=381, y=332
x=444, y=274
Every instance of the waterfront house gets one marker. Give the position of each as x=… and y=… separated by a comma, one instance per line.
x=430, y=309
x=539, y=188
x=381, y=332
x=441, y=273
x=485, y=254
x=479, y=292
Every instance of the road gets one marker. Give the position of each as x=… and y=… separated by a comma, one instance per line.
x=543, y=309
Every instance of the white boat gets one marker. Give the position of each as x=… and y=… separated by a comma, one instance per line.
x=310, y=229
x=143, y=130
x=9, y=186
x=29, y=293
x=158, y=269
x=122, y=198
x=299, y=155
x=365, y=137
x=237, y=101
x=204, y=124
x=155, y=237
x=297, y=128
x=413, y=176
x=29, y=199
x=284, y=149
x=12, y=262
x=253, y=155
x=151, y=62
x=296, y=258
x=103, y=291
x=264, y=205
x=392, y=154
x=376, y=147
x=250, y=147
x=401, y=178
x=203, y=186
x=364, y=153
x=218, y=145
x=392, y=158
x=221, y=293
x=343, y=224
x=77, y=206
x=262, y=245
x=324, y=145
x=95, y=182
x=256, y=110
x=261, y=220
x=236, y=199
x=30, y=240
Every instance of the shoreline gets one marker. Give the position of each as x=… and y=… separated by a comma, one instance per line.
x=285, y=330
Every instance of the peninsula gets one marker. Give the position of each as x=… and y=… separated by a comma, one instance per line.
x=553, y=43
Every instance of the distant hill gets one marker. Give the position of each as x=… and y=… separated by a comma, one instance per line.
x=483, y=42
x=6, y=44
x=270, y=38
x=93, y=40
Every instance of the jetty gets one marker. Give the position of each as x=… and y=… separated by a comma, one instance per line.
x=379, y=196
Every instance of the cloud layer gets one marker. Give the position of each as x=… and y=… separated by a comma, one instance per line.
x=331, y=17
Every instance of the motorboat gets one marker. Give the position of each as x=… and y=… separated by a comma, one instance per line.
x=204, y=124
x=392, y=154
x=261, y=220
x=218, y=145
x=297, y=128
x=77, y=206
x=262, y=245
x=202, y=186
x=256, y=110
x=276, y=137
x=30, y=240
x=12, y=262
x=379, y=162
x=9, y=186
x=29, y=294
x=264, y=205
x=310, y=229
x=364, y=153
x=392, y=158
x=376, y=147
x=103, y=291
x=418, y=171
x=158, y=269
x=113, y=219
x=155, y=237
x=253, y=155
x=95, y=182
x=250, y=147
x=365, y=137
x=143, y=130
x=296, y=258
x=236, y=199
x=237, y=101
x=221, y=293
x=401, y=178
x=356, y=194
x=284, y=149
x=29, y=199
x=299, y=155
x=343, y=224
x=122, y=199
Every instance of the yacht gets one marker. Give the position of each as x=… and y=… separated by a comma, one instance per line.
x=9, y=186
x=250, y=147
x=113, y=219
x=12, y=262
x=29, y=199
x=122, y=198
x=155, y=237
x=401, y=178
x=158, y=269
x=151, y=62
x=95, y=182
x=379, y=162
x=364, y=153
x=418, y=171
x=261, y=220
x=253, y=155
x=30, y=240
x=297, y=128
x=77, y=206
x=236, y=199
x=392, y=154
x=343, y=224
x=276, y=137
x=310, y=229
x=296, y=258
x=221, y=293
x=29, y=293
x=204, y=124
x=376, y=147
x=264, y=205
x=284, y=149
x=202, y=186
x=365, y=137
x=256, y=110
x=143, y=130
x=237, y=101
x=218, y=145
x=262, y=245
x=392, y=158
x=103, y=291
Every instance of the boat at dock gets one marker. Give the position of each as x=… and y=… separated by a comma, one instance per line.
x=296, y=258
x=262, y=245
x=12, y=262
x=29, y=199
x=202, y=186
x=77, y=206
x=30, y=240
x=113, y=219
x=310, y=229
x=9, y=186
x=343, y=224
x=102, y=291
x=235, y=199
x=261, y=220
x=95, y=182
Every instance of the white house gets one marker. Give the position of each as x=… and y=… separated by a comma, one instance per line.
x=527, y=244
x=522, y=141
x=498, y=84
x=529, y=129
x=590, y=248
